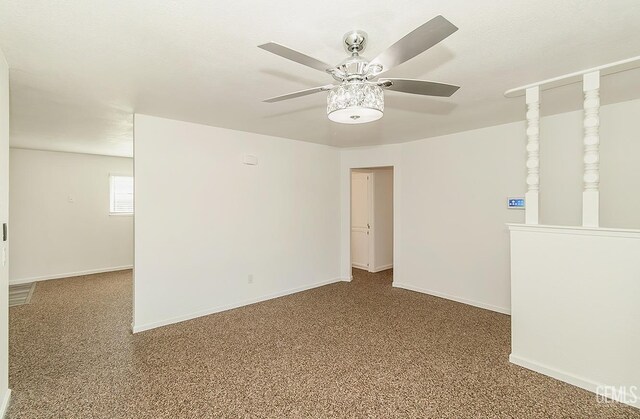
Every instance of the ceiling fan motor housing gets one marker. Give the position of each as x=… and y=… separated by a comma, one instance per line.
x=355, y=41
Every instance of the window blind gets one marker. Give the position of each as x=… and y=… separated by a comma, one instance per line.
x=121, y=195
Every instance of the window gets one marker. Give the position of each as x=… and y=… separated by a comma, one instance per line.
x=121, y=196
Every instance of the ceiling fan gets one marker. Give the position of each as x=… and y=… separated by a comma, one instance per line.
x=359, y=96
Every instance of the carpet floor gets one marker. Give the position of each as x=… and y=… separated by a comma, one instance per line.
x=359, y=349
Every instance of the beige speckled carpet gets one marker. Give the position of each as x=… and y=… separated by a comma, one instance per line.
x=359, y=349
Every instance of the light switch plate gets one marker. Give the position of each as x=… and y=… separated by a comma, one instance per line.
x=516, y=202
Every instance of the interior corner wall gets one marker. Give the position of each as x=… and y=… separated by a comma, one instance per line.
x=451, y=198
x=5, y=393
x=212, y=233
x=59, y=213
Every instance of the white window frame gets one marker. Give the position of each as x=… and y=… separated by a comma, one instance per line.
x=112, y=198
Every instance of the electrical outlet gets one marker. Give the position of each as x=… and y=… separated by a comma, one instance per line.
x=250, y=279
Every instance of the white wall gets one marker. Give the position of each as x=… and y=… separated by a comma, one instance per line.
x=4, y=218
x=52, y=237
x=575, y=306
x=454, y=195
x=450, y=198
x=561, y=167
x=620, y=165
x=450, y=209
x=205, y=221
x=382, y=219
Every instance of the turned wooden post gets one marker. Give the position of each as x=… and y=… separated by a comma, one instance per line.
x=533, y=155
x=591, y=158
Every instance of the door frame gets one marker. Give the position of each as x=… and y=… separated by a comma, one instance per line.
x=5, y=391
x=387, y=156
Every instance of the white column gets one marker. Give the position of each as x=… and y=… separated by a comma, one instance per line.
x=591, y=141
x=533, y=155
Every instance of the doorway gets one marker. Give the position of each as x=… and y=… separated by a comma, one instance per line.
x=372, y=219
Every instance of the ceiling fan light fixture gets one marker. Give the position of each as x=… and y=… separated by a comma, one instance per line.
x=359, y=97
x=355, y=103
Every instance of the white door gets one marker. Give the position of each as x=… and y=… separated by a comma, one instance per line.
x=360, y=219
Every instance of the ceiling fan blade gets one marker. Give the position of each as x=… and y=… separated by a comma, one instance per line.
x=299, y=93
x=296, y=56
x=419, y=87
x=415, y=42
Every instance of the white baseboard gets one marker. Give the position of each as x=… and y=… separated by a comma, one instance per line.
x=382, y=268
x=374, y=270
x=4, y=406
x=569, y=378
x=349, y=279
x=68, y=274
x=453, y=298
x=153, y=325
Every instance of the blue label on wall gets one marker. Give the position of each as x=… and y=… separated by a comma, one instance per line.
x=515, y=202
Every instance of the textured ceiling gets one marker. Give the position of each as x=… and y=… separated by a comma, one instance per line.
x=80, y=69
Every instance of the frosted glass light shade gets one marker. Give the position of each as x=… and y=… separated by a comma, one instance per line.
x=355, y=103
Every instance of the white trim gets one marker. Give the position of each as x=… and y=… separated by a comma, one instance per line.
x=5, y=403
x=478, y=304
x=206, y=312
x=586, y=231
x=360, y=266
x=68, y=274
x=382, y=268
x=606, y=69
x=564, y=376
